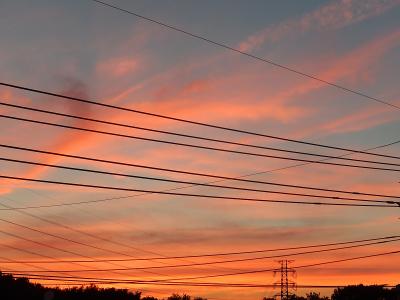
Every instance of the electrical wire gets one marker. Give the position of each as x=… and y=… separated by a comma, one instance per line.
x=179, y=280
x=208, y=147
x=196, y=195
x=64, y=226
x=218, y=262
x=189, y=182
x=64, y=250
x=294, y=267
x=201, y=284
x=189, y=121
x=193, y=136
x=221, y=253
x=24, y=250
x=58, y=248
x=240, y=179
x=252, y=56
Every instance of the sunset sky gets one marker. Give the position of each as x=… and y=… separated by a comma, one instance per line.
x=87, y=50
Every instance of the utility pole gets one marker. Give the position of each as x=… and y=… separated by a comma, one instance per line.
x=285, y=283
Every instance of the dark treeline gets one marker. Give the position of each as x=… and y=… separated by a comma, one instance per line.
x=354, y=292
x=12, y=288
x=20, y=288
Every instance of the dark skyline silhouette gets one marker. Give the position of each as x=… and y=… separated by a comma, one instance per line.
x=12, y=288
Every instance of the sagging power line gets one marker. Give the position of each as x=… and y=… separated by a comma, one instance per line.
x=238, y=51
x=196, y=137
x=213, y=262
x=87, y=101
x=223, y=253
x=190, y=182
x=322, y=162
x=181, y=279
x=186, y=172
x=198, y=195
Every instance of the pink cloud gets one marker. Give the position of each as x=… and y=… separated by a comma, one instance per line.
x=209, y=110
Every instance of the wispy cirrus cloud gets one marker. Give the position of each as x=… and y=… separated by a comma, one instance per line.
x=332, y=16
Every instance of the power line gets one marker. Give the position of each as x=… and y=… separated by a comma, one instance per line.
x=151, y=282
x=252, y=56
x=41, y=255
x=194, y=173
x=59, y=237
x=42, y=244
x=210, y=148
x=179, y=280
x=29, y=265
x=189, y=182
x=38, y=267
x=195, y=136
x=54, y=223
x=223, y=178
x=65, y=239
x=71, y=240
x=107, y=240
x=202, y=284
x=194, y=195
x=79, y=231
x=87, y=234
x=27, y=251
x=295, y=267
x=222, y=253
x=304, y=164
x=64, y=250
x=56, y=248
x=184, y=120
x=219, y=262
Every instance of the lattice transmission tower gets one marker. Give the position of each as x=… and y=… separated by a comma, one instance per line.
x=285, y=283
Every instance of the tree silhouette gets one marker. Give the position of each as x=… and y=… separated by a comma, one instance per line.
x=21, y=289
x=315, y=296
x=179, y=297
x=371, y=292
